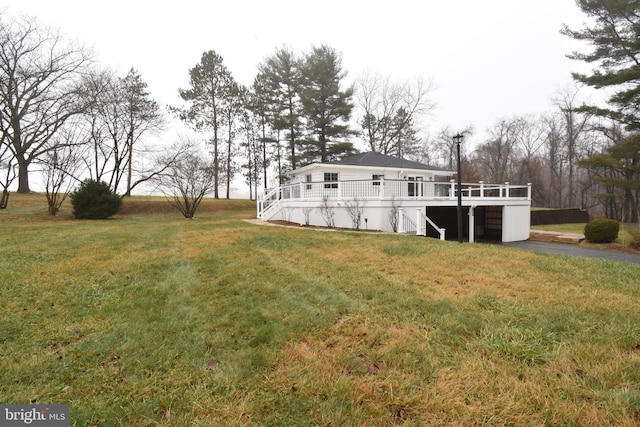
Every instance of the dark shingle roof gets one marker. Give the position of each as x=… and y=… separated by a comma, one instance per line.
x=381, y=160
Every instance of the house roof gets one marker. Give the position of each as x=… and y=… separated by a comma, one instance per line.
x=381, y=160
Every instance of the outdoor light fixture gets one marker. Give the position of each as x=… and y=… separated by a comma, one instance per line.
x=457, y=138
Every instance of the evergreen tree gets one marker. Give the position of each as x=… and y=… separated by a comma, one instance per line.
x=404, y=143
x=261, y=108
x=211, y=86
x=281, y=76
x=141, y=114
x=618, y=172
x=615, y=38
x=326, y=107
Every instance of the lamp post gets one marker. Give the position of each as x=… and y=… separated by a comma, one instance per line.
x=457, y=138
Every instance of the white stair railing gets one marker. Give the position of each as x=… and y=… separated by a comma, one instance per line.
x=421, y=218
x=267, y=202
x=406, y=224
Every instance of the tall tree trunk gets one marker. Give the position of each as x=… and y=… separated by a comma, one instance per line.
x=264, y=154
x=23, y=175
x=216, y=160
x=229, y=145
x=129, y=170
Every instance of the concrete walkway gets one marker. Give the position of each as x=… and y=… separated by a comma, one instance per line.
x=553, y=236
x=574, y=250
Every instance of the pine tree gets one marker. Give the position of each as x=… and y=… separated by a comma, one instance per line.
x=615, y=38
x=281, y=78
x=326, y=107
x=211, y=83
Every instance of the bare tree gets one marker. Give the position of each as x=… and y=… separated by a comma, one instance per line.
x=389, y=110
x=575, y=125
x=9, y=171
x=327, y=212
x=60, y=168
x=38, y=90
x=119, y=113
x=187, y=179
x=355, y=210
x=394, y=214
x=495, y=157
x=307, y=215
x=441, y=150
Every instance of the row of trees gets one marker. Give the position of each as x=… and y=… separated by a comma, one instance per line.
x=59, y=112
x=297, y=111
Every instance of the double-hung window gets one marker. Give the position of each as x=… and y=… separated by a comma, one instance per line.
x=377, y=178
x=330, y=180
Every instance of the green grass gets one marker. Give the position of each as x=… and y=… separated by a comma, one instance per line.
x=628, y=236
x=577, y=228
x=148, y=319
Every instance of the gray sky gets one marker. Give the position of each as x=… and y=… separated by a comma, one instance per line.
x=487, y=58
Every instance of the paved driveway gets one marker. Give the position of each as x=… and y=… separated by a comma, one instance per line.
x=574, y=250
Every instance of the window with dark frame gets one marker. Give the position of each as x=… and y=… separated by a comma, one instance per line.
x=330, y=180
x=376, y=179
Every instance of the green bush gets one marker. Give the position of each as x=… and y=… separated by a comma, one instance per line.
x=601, y=230
x=94, y=200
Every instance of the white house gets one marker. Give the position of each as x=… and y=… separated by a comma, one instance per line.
x=378, y=192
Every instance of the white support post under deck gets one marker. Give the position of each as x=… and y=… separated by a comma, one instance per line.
x=472, y=230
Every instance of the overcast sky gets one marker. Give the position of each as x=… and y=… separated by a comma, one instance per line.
x=487, y=59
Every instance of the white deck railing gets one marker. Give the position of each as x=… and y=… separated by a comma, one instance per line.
x=392, y=189
x=387, y=189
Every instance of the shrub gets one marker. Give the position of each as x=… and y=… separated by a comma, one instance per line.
x=601, y=230
x=95, y=200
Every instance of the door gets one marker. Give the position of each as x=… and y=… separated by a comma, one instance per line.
x=416, y=186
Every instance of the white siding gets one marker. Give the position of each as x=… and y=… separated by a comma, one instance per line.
x=516, y=222
x=358, y=173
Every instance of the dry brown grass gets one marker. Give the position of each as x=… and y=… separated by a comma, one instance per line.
x=150, y=319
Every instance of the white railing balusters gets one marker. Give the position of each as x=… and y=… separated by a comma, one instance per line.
x=388, y=189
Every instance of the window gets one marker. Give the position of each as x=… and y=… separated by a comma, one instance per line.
x=307, y=179
x=415, y=186
x=376, y=179
x=330, y=180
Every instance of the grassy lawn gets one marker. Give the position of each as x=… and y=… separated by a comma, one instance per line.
x=148, y=319
x=628, y=236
